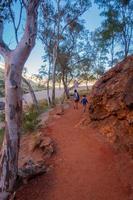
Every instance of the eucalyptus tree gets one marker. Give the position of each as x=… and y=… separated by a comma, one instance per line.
x=45, y=72
x=59, y=17
x=98, y=55
x=68, y=52
x=14, y=64
x=118, y=23
x=63, y=61
x=16, y=28
x=107, y=40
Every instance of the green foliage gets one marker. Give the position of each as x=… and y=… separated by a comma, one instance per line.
x=61, y=24
x=1, y=135
x=30, y=120
x=84, y=92
x=117, y=26
x=1, y=82
x=2, y=116
x=43, y=106
x=4, y=9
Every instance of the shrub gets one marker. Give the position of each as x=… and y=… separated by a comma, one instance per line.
x=43, y=105
x=2, y=116
x=30, y=120
x=84, y=92
x=1, y=135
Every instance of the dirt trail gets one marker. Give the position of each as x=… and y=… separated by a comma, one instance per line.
x=83, y=167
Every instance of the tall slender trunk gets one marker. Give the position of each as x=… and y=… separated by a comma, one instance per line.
x=87, y=88
x=13, y=113
x=14, y=63
x=48, y=94
x=54, y=73
x=53, y=85
x=59, y=83
x=35, y=102
x=55, y=52
x=66, y=90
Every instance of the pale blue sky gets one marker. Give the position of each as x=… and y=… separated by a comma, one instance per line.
x=92, y=19
x=34, y=62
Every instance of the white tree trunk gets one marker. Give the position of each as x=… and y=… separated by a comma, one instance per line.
x=14, y=63
x=13, y=112
x=48, y=81
x=54, y=73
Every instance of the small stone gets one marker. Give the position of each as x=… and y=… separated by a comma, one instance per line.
x=45, y=142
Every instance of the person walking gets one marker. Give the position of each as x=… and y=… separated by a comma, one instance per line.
x=76, y=98
x=84, y=102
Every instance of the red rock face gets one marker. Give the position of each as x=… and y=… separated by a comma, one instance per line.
x=111, y=104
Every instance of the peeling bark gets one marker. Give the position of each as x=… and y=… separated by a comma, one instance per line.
x=10, y=148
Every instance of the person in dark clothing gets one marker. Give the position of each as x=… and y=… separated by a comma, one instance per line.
x=84, y=102
x=76, y=99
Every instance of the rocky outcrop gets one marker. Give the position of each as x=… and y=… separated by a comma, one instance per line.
x=37, y=147
x=111, y=104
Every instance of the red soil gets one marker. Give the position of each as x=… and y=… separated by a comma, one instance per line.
x=84, y=167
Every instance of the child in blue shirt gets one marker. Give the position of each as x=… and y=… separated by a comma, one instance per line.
x=84, y=102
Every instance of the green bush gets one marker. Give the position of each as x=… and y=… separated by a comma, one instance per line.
x=2, y=116
x=84, y=92
x=1, y=135
x=43, y=106
x=30, y=120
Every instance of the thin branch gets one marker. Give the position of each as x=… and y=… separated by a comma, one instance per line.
x=4, y=49
x=16, y=27
x=71, y=21
x=20, y=15
x=13, y=21
x=27, y=41
x=24, y=3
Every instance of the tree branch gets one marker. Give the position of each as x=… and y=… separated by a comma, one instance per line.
x=4, y=49
x=27, y=41
x=16, y=27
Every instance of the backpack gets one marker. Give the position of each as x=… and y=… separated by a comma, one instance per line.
x=76, y=96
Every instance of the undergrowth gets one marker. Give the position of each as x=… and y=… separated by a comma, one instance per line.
x=1, y=135
x=2, y=116
x=30, y=120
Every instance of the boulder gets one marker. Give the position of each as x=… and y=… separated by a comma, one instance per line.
x=111, y=104
x=30, y=170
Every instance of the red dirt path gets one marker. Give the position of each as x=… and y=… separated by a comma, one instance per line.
x=83, y=167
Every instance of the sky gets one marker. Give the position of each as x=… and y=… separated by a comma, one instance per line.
x=34, y=62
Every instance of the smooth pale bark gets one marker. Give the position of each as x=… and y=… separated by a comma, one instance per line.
x=54, y=73
x=14, y=63
x=10, y=148
x=53, y=85
x=48, y=93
